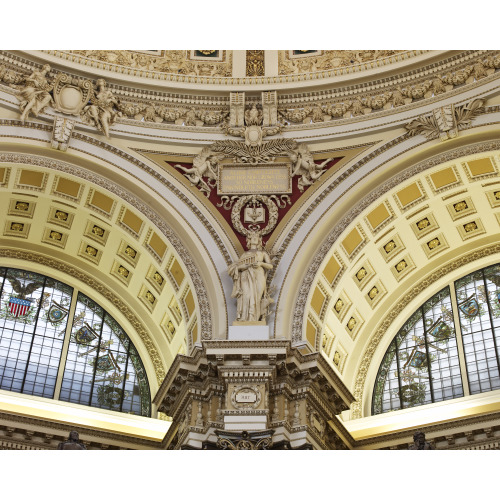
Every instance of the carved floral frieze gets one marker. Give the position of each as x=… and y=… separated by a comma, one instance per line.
x=395, y=97
x=72, y=95
x=165, y=61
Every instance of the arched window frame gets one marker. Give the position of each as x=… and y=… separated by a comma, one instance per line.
x=63, y=340
x=478, y=350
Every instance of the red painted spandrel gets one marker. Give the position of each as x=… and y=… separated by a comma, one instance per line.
x=295, y=195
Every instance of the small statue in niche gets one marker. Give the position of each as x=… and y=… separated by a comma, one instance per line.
x=35, y=96
x=419, y=442
x=253, y=116
x=101, y=112
x=72, y=443
x=249, y=275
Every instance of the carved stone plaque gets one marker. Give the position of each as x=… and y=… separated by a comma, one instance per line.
x=262, y=178
x=246, y=396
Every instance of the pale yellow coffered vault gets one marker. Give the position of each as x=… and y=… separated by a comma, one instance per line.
x=250, y=249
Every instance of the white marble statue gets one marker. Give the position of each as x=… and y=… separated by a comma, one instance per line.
x=250, y=281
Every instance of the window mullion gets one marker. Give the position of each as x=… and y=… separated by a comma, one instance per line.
x=65, y=348
x=460, y=344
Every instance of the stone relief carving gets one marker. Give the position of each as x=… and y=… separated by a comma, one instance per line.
x=61, y=134
x=304, y=166
x=194, y=117
x=188, y=112
x=35, y=94
x=255, y=61
x=169, y=61
x=397, y=96
x=71, y=94
x=249, y=275
x=253, y=123
x=102, y=110
x=204, y=165
x=445, y=122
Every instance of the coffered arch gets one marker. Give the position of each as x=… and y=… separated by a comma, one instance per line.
x=341, y=313
x=71, y=211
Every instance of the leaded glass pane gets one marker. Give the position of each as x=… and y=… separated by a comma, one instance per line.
x=479, y=312
x=421, y=366
x=33, y=316
x=103, y=368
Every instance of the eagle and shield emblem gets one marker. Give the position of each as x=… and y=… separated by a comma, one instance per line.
x=85, y=335
x=440, y=330
x=20, y=305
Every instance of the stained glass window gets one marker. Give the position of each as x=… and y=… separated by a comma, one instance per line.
x=422, y=363
x=103, y=368
x=479, y=311
x=99, y=366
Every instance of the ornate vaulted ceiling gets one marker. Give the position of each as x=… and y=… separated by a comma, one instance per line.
x=405, y=200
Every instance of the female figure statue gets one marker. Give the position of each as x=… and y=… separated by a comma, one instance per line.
x=249, y=275
x=35, y=96
x=100, y=112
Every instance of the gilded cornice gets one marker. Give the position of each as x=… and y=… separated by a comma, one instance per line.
x=124, y=61
x=64, y=429
x=140, y=329
x=336, y=104
x=444, y=428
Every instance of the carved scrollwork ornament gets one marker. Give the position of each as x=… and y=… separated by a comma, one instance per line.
x=71, y=95
x=244, y=440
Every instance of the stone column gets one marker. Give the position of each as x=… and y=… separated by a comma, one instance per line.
x=253, y=395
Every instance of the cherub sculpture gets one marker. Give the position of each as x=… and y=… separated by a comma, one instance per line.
x=206, y=164
x=303, y=165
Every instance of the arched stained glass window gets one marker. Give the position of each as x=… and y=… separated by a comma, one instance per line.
x=422, y=363
x=478, y=296
x=103, y=368
x=54, y=346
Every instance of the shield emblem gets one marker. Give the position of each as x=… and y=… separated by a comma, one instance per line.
x=418, y=360
x=85, y=335
x=56, y=313
x=470, y=306
x=106, y=362
x=70, y=98
x=440, y=330
x=19, y=307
